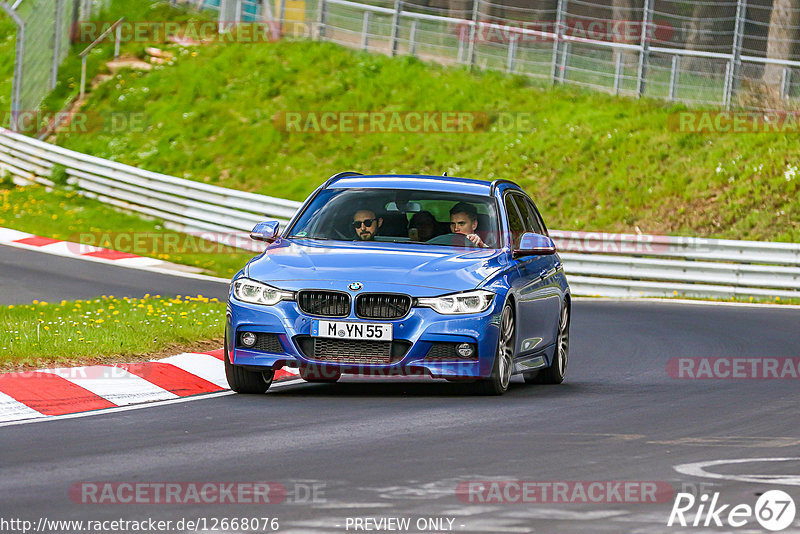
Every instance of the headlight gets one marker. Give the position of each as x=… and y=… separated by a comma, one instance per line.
x=248, y=290
x=467, y=302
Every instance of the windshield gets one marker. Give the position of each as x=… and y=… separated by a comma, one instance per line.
x=400, y=216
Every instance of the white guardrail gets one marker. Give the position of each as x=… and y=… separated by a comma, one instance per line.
x=614, y=265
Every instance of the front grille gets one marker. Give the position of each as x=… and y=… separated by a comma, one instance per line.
x=264, y=343
x=351, y=351
x=447, y=352
x=382, y=305
x=324, y=303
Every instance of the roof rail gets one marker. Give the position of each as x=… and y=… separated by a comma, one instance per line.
x=499, y=181
x=340, y=175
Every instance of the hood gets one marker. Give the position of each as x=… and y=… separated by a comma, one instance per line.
x=380, y=265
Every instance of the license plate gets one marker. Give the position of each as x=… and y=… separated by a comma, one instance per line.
x=346, y=330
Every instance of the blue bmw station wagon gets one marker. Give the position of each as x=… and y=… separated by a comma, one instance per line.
x=382, y=275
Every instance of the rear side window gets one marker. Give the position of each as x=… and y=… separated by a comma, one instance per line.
x=515, y=222
x=532, y=220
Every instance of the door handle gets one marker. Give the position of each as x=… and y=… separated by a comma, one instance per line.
x=543, y=274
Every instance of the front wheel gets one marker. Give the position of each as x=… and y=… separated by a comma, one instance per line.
x=498, y=382
x=558, y=370
x=243, y=381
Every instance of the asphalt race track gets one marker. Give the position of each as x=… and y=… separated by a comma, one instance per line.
x=401, y=448
x=26, y=275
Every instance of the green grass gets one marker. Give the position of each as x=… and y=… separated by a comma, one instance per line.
x=591, y=161
x=105, y=328
x=72, y=217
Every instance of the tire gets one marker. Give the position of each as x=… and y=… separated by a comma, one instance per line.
x=319, y=374
x=498, y=382
x=243, y=381
x=558, y=370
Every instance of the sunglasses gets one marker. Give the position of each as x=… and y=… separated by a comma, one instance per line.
x=366, y=222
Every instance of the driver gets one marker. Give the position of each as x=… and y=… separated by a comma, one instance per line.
x=464, y=220
x=366, y=224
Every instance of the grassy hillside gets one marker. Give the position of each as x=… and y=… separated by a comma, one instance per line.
x=592, y=161
x=8, y=38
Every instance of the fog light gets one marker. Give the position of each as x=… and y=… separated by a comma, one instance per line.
x=465, y=350
x=248, y=339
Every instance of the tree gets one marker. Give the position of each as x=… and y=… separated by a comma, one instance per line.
x=783, y=33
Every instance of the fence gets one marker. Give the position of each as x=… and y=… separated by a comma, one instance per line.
x=721, y=53
x=730, y=53
x=42, y=43
x=596, y=264
x=727, y=53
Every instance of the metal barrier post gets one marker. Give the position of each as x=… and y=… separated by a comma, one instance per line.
x=117, y=41
x=512, y=52
x=562, y=70
x=398, y=8
x=365, y=30
x=644, y=47
x=473, y=33
x=673, y=76
x=556, y=41
x=617, y=73
x=412, y=38
x=223, y=7
x=786, y=82
x=56, y=44
x=320, y=19
x=725, y=94
x=736, y=54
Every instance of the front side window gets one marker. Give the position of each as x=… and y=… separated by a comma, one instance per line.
x=399, y=216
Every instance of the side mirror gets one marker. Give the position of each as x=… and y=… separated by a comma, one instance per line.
x=265, y=231
x=534, y=245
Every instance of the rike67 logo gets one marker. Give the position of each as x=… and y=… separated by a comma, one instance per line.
x=774, y=511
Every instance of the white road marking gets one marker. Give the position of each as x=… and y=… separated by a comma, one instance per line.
x=203, y=365
x=119, y=409
x=13, y=410
x=7, y=234
x=115, y=384
x=698, y=469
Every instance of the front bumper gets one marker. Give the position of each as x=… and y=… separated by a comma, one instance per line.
x=421, y=328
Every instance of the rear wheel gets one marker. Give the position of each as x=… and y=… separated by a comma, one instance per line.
x=498, y=382
x=242, y=380
x=558, y=370
x=319, y=374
